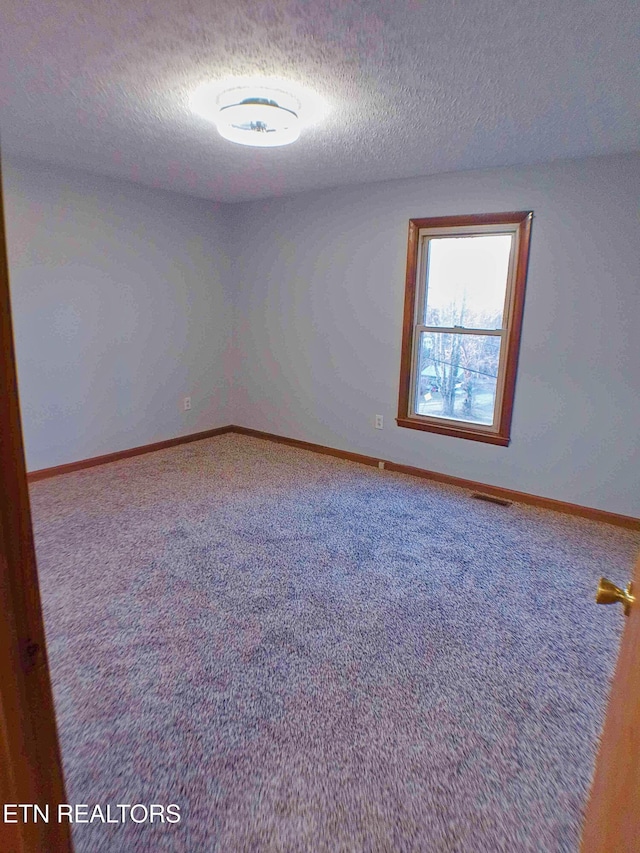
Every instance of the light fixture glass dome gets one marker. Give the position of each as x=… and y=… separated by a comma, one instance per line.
x=261, y=111
x=258, y=121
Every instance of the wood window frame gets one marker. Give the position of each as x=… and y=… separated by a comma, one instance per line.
x=499, y=433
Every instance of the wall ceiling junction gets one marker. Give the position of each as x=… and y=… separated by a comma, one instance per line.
x=415, y=87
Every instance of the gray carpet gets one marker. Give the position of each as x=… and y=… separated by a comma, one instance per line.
x=307, y=654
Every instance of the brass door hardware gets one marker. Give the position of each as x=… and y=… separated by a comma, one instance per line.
x=609, y=593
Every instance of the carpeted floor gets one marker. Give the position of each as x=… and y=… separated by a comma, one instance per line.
x=307, y=654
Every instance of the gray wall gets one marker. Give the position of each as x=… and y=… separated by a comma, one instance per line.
x=120, y=310
x=320, y=286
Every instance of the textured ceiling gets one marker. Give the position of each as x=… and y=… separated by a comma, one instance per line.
x=414, y=87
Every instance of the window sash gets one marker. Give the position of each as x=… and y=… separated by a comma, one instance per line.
x=415, y=377
x=426, y=234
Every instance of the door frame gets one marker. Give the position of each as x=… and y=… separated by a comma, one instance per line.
x=30, y=763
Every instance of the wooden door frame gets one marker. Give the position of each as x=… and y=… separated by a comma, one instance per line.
x=30, y=764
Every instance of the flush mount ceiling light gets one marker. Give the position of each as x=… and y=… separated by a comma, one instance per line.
x=265, y=112
x=258, y=121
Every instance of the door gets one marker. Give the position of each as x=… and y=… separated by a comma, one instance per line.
x=612, y=823
x=30, y=768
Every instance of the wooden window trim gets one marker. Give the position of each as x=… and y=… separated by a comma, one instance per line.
x=502, y=435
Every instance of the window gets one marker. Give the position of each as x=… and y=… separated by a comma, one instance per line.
x=463, y=314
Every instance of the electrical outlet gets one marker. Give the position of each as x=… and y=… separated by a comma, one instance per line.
x=186, y=403
x=379, y=421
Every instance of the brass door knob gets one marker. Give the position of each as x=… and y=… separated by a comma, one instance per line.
x=609, y=593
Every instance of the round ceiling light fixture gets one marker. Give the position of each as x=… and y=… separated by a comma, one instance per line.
x=260, y=111
x=258, y=121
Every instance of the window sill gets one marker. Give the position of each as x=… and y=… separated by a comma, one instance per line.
x=455, y=430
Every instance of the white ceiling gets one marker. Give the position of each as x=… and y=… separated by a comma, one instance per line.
x=415, y=87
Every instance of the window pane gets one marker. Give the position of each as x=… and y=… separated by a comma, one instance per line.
x=467, y=281
x=457, y=376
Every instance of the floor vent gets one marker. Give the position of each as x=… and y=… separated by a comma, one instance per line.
x=480, y=496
